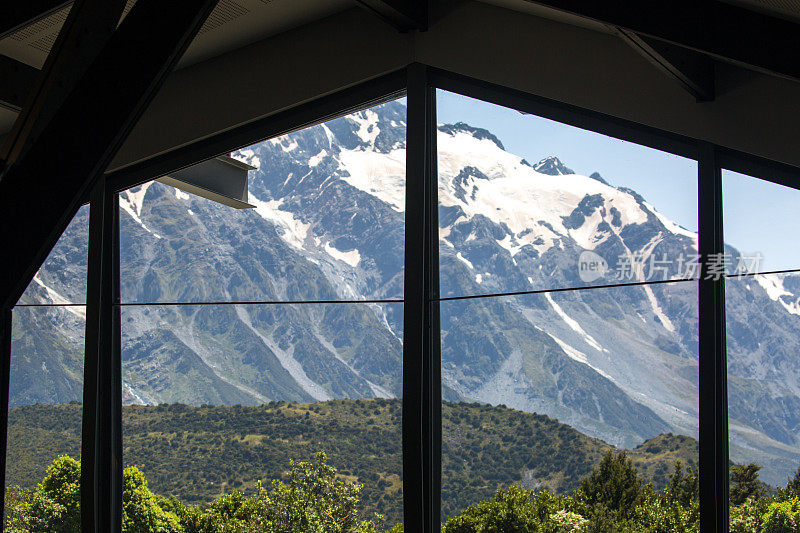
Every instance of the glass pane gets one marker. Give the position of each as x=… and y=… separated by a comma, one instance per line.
x=763, y=328
x=328, y=222
x=538, y=388
x=229, y=394
x=526, y=203
x=62, y=277
x=758, y=215
x=46, y=388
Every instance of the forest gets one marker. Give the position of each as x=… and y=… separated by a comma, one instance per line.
x=336, y=467
x=198, y=453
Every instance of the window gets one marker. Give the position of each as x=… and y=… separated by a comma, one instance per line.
x=567, y=307
x=46, y=377
x=251, y=338
x=538, y=387
x=762, y=314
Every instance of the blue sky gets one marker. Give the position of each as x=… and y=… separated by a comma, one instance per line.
x=758, y=215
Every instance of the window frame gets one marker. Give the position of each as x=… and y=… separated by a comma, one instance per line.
x=421, y=412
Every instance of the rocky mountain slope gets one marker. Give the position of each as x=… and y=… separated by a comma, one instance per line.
x=619, y=364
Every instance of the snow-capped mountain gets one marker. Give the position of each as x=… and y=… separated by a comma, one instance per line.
x=616, y=363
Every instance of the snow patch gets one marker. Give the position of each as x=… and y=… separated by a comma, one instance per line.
x=138, y=400
x=367, y=125
x=381, y=175
x=672, y=226
x=573, y=324
x=248, y=156
x=665, y=321
x=578, y=355
x=329, y=134
x=315, y=160
x=465, y=261
x=56, y=298
x=352, y=257
x=292, y=230
x=773, y=285
x=131, y=202
x=135, y=197
x=289, y=147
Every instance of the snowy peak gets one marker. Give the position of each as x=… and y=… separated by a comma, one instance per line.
x=380, y=129
x=552, y=166
x=478, y=133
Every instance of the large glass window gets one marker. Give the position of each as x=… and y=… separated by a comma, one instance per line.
x=229, y=385
x=46, y=387
x=539, y=387
x=763, y=327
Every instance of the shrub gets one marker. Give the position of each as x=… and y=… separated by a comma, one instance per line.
x=511, y=510
x=567, y=522
x=746, y=518
x=782, y=517
x=662, y=513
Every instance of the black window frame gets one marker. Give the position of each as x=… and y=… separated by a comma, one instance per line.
x=421, y=412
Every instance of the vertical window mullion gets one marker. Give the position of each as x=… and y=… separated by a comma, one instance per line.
x=713, y=372
x=113, y=370
x=5, y=371
x=421, y=332
x=433, y=359
x=101, y=451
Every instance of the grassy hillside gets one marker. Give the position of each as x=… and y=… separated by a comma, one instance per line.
x=198, y=453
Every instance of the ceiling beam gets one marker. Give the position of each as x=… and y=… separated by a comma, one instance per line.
x=85, y=31
x=721, y=30
x=17, y=14
x=16, y=82
x=691, y=70
x=403, y=15
x=43, y=189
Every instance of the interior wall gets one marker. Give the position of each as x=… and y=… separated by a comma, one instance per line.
x=753, y=113
x=265, y=78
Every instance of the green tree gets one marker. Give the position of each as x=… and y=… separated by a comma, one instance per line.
x=62, y=485
x=141, y=512
x=613, y=490
x=313, y=500
x=793, y=485
x=53, y=507
x=683, y=488
x=745, y=483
